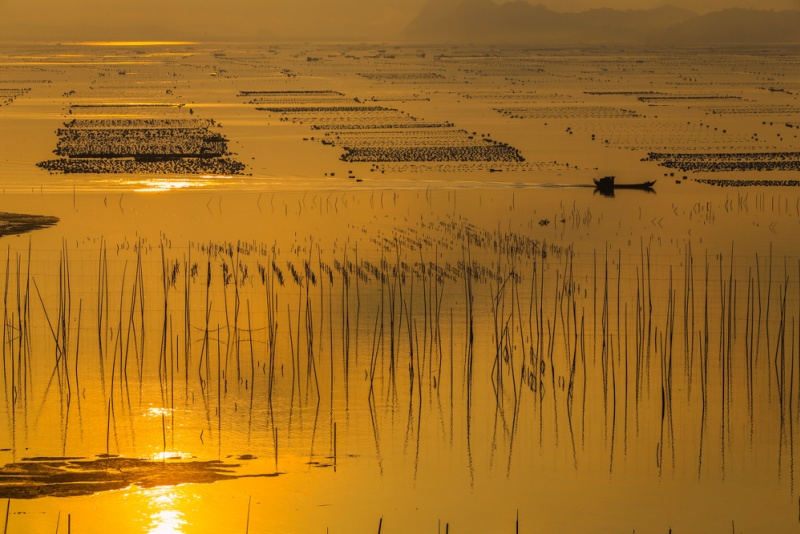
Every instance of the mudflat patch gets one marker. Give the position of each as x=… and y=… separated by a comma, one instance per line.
x=20, y=223
x=70, y=476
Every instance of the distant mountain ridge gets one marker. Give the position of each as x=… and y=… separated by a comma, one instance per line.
x=519, y=22
x=481, y=22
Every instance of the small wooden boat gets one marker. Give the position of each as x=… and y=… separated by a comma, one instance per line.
x=607, y=185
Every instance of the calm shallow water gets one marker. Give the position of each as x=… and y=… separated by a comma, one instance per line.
x=631, y=362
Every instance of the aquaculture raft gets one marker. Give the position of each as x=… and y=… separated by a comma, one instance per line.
x=143, y=145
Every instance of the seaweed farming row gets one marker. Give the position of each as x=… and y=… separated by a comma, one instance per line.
x=750, y=183
x=9, y=94
x=566, y=112
x=727, y=162
x=403, y=77
x=369, y=133
x=141, y=145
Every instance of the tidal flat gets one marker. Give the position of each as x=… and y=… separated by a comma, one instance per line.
x=334, y=288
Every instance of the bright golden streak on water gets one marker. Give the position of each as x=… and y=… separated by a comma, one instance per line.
x=171, y=455
x=155, y=411
x=72, y=63
x=166, y=516
x=148, y=104
x=133, y=43
x=160, y=186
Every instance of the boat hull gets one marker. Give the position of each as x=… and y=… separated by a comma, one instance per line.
x=606, y=185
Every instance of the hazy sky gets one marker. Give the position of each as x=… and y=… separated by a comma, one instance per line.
x=62, y=19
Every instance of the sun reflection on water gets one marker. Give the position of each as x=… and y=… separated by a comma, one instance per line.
x=164, y=507
x=132, y=43
x=156, y=185
x=171, y=455
x=156, y=411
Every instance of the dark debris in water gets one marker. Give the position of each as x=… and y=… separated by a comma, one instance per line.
x=20, y=223
x=69, y=477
